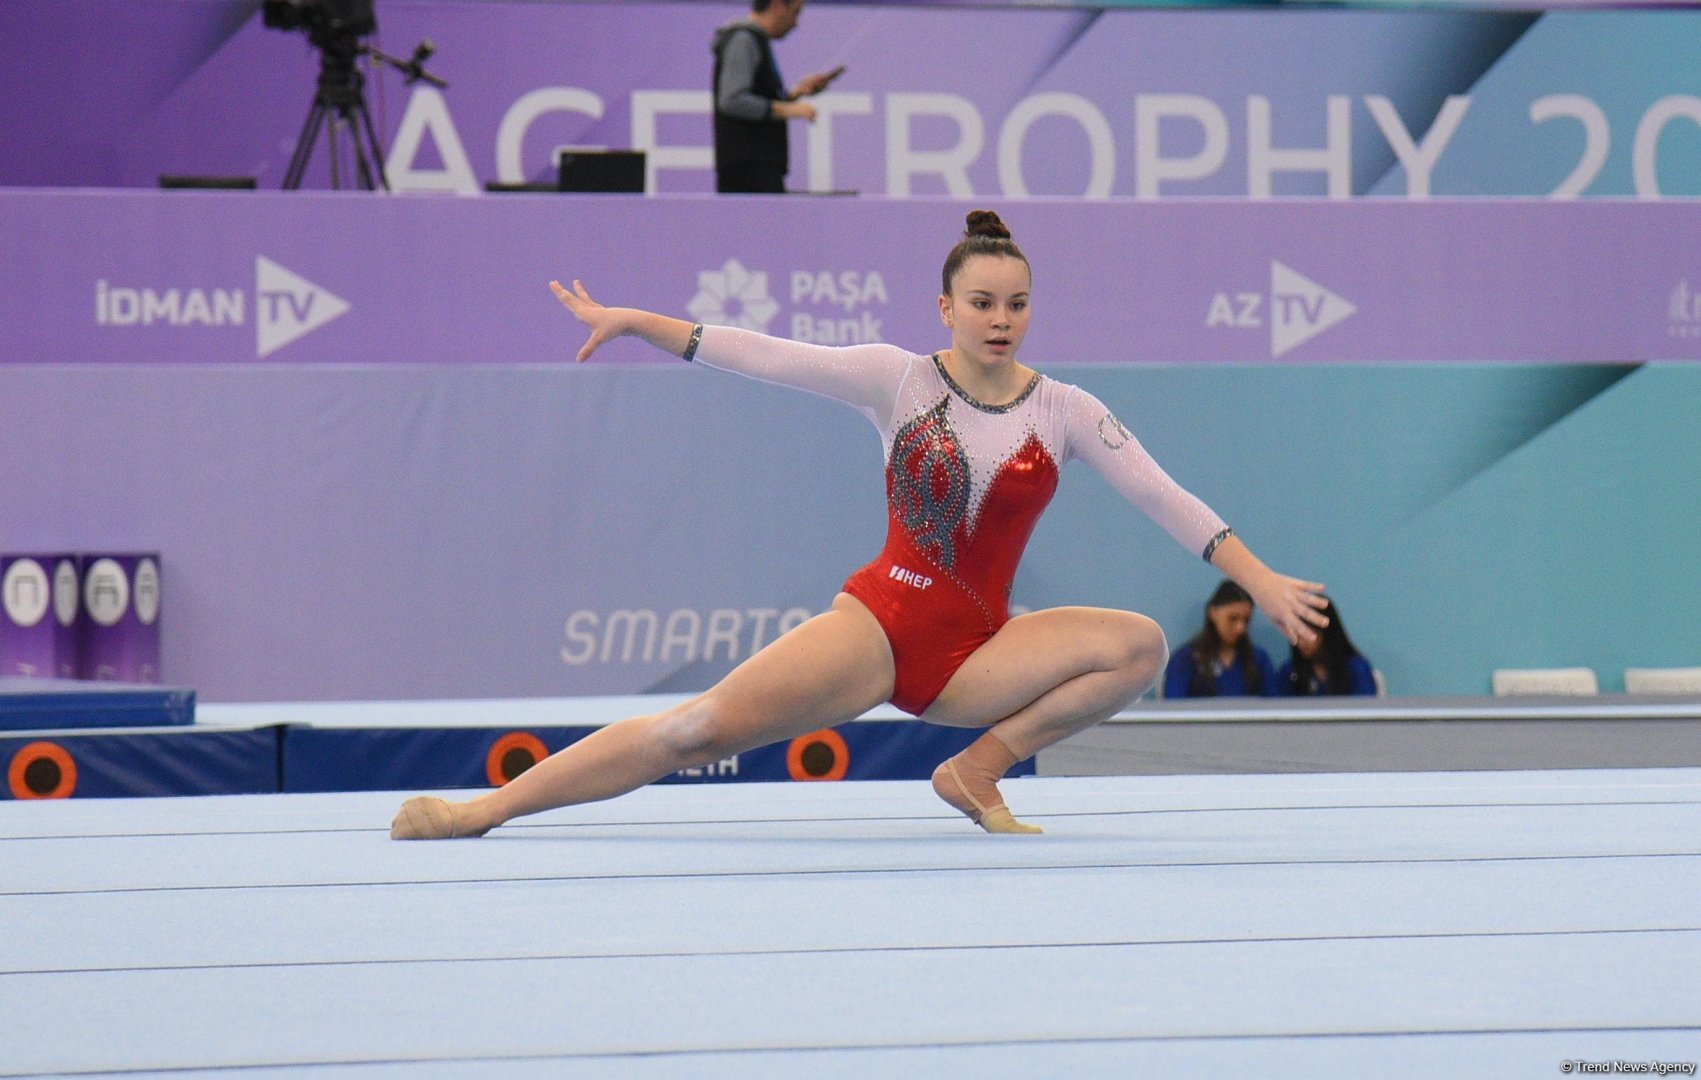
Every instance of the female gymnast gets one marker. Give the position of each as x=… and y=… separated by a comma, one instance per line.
x=974, y=441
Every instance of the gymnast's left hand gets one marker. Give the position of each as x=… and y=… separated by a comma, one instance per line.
x=605, y=323
x=1295, y=606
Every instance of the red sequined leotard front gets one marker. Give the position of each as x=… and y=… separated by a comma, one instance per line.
x=965, y=482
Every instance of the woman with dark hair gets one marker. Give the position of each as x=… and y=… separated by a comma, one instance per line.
x=1221, y=660
x=1326, y=663
x=973, y=443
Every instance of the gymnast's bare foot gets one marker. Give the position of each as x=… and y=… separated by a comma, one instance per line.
x=426, y=817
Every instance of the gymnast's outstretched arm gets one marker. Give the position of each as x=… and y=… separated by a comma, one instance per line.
x=1098, y=438
x=865, y=377
x=667, y=334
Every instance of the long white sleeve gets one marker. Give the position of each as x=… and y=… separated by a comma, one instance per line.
x=865, y=377
x=1095, y=436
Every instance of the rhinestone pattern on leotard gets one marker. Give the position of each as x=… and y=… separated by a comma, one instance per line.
x=930, y=482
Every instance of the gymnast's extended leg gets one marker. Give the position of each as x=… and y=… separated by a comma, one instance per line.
x=831, y=669
x=1043, y=677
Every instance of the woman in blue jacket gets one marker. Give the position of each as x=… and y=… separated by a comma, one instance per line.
x=1326, y=663
x=1221, y=660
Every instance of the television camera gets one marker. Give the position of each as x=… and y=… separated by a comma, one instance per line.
x=336, y=28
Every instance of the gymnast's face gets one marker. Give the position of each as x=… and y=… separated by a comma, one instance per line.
x=987, y=309
x=1230, y=621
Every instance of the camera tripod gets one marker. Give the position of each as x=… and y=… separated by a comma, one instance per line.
x=342, y=91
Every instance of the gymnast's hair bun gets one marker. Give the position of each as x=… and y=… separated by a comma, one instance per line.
x=986, y=223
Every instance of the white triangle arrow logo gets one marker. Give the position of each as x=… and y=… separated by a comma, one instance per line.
x=288, y=306
x=1300, y=309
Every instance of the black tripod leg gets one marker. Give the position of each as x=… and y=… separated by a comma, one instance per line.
x=362, y=172
x=336, y=178
x=304, y=146
x=363, y=124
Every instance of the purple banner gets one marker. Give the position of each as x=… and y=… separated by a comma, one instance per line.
x=1048, y=102
x=158, y=278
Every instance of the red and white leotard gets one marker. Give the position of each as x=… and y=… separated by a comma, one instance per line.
x=965, y=485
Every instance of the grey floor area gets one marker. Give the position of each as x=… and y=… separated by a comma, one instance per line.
x=1464, y=924
x=1406, y=734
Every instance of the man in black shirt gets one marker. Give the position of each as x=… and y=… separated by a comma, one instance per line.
x=752, y=104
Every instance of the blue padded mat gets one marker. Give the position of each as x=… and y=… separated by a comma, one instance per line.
x=1396, y=925
x=62, y=704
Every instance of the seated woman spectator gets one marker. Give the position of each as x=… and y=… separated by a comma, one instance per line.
x=1221, y=660
x=1327, y=664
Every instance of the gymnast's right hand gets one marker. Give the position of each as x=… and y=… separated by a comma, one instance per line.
x=605, y=323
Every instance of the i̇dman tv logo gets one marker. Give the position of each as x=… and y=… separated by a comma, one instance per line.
x=286, y=307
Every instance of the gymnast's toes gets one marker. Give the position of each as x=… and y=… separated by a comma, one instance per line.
x=1000, y=820
x=424, y=817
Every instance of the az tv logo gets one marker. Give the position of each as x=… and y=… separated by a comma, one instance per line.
x=288, y=306
x=1299, y=309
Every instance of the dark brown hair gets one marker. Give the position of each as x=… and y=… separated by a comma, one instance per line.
x=985, y=235
x=1334, y=654
x=1207, y=644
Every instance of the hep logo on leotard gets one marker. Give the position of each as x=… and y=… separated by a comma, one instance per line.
x=910, y=577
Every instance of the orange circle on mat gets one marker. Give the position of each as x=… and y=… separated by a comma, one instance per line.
x=41, y=758
x=497, y=763
x=819, y=755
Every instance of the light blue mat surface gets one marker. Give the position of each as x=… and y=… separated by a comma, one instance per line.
x=1390, y=925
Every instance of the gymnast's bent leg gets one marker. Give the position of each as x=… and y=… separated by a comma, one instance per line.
x=831, y=669
x=1043, y=677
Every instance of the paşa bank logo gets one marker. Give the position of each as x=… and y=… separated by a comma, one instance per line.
x=828, y=307
x=1296, y=309
x=733, y=296
x=287, y=306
